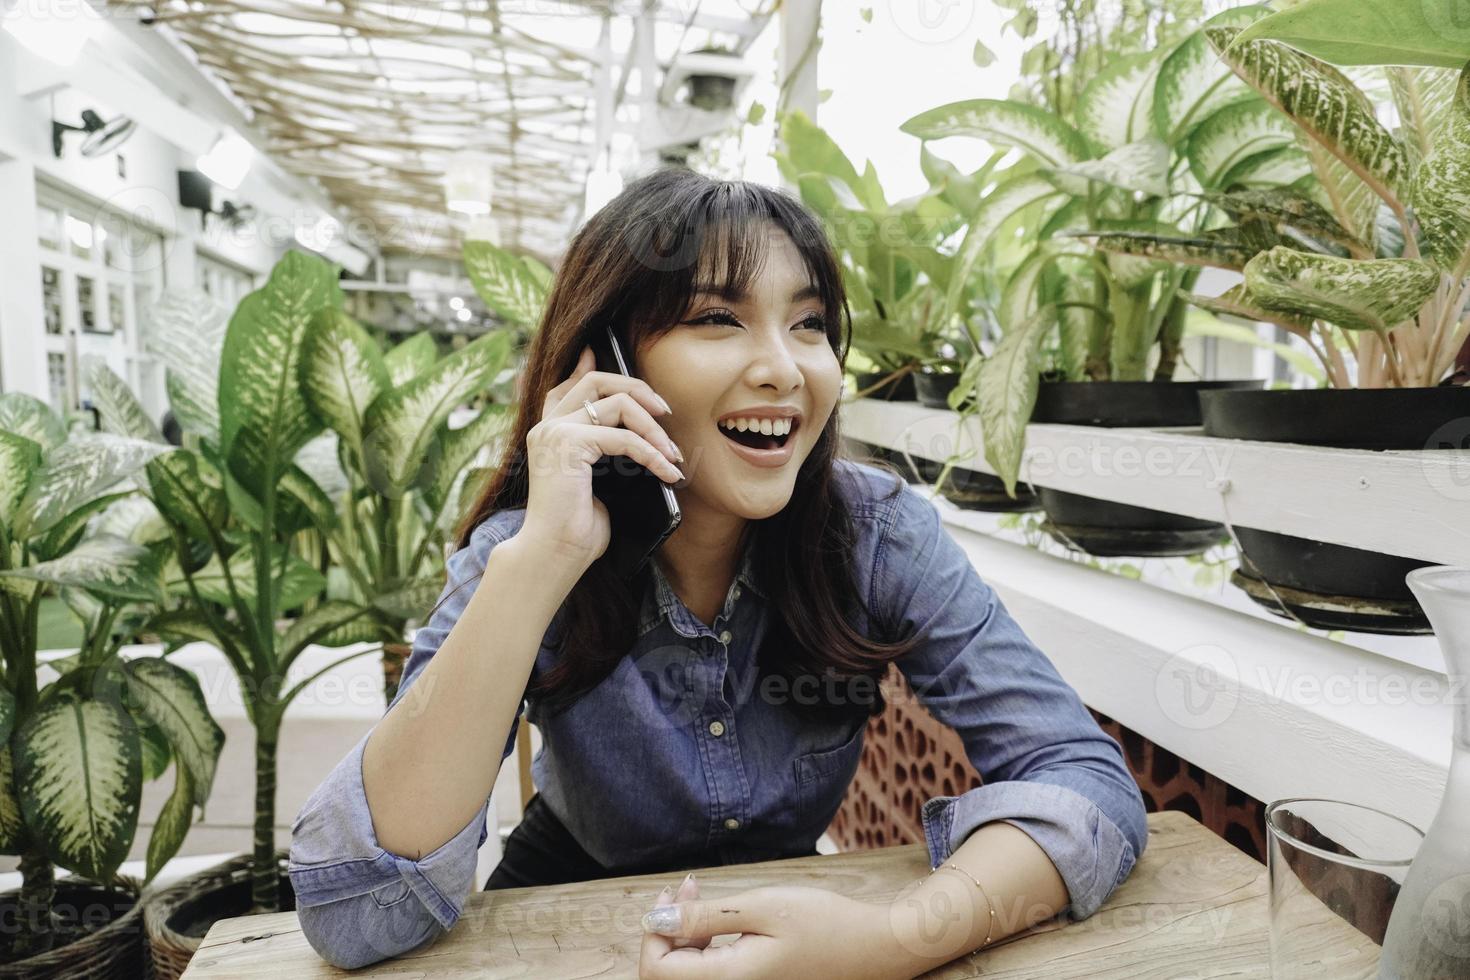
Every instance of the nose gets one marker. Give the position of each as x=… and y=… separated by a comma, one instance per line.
x=774, y=365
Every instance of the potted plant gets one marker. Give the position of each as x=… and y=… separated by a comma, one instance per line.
x=235, y=505
x=75, y=750
x=1367, y=264
x=711, y=91
x=1106, y=152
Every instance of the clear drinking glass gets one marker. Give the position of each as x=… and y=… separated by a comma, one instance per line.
x=1335, y=870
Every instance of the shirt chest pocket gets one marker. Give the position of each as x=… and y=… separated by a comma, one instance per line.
x=822, y=776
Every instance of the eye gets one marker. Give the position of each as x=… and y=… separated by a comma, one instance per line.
x=815, y=322
x=718, y=316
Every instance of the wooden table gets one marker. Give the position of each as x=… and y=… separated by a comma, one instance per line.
x=1193, y=907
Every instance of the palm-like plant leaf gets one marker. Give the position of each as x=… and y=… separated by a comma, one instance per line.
x=504, y=283
x=121, y=413
x=187, y=491
x=1030, y=129
x=263, y=414
x=1355, y=294
x=77, y=471
x=104, y=565
x=79, y=773
x=1009, y=380
x=186, y=329
x=342, y=371
x=410, y=358
x=31, y=419
x=170, y=698
x=457, y=448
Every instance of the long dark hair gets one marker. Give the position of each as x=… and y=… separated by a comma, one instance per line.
x=634, y=265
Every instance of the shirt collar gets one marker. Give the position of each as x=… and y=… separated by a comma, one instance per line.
x=661, y=602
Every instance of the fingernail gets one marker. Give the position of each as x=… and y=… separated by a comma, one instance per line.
x=687, y=879
x=663, y=403
x=678, y=453
x=663, y=920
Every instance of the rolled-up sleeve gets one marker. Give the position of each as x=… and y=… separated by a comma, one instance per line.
x=1048, y=768
x=357, y=902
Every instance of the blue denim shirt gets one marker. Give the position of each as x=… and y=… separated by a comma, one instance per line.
x=639, y=768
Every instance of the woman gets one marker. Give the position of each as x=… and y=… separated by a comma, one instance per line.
x=711, y=710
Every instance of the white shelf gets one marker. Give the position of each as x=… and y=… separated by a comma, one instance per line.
x=1413, y=504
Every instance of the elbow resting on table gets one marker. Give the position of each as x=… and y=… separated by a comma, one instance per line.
x=354, y=932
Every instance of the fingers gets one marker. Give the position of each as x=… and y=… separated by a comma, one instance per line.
x=707, y=919
x=622, y=442
x=586, y=361
x=689, y=892
x=586, y=384
x=623, y=410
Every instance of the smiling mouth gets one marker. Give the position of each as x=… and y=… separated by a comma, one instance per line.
x=756, y=440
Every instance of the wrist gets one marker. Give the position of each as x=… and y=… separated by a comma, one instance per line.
x=929, y=923
x=552, y=566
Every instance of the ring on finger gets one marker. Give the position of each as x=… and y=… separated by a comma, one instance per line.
x=591, y=412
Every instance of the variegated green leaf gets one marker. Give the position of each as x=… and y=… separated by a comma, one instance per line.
x=20, y=459
x=1006, y=200
x=121, y=412
x=410, y=358
x=1424, y=98
x=1141, y=166
x=1237, y=301
x=30, y=418
x=1116, y=107
x=183, y=626
x=186, y=329
x=342, y=371
x=411, y=600
x=317, y=509
x=170, y=698
x=402, y=422
x=321, y=460
x=1285, y=167
x=316, y=625
x=65, y=533
x=156, y=753
x=1221, y=248
x=7, y=715
x=1332, y=112
x=79, y=470
x=1283, y=209
x=1025, y=127
x=188, y=493
x=1367, y=294
x=808, y=149
x=504, y=284
x=263, y=414
x=79, y=772
x=1193, y=84
x=132, y=518
x=1233, y=135
x=1009, y=380
x=1372, y=32
x=173, y=822
x=12, y=829
x=1441, y=190
x=298, y=583
x=457, y=448
x=104, y=565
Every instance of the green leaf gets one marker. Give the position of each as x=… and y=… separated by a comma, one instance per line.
x=411, y=600
x=103, y=565
x=1237, y=301
x=315, y=626
x=1329, y=109
x=174, y=819
x=1286, y=167
x=7, y=715
x=1235, y=134
x=79, y=772
x=1193, y=84
x=402, y=423
x=187, y=491
x=122, y=414
x=457, y=449
x=186, y=329
x=263, y=414
x=1221, y=248
x=156, y=754
x=504, y=283
x=30, y=418
x=79, y=470
x=20, y=458
x=296, y=585
x=1355, y=294
x=1141, y=167
x=1006, y=200
x=1002, y=123
x=12, y=828
x=1372, y=32
x=1441, y=191
x=306, y=504
x=807, y=149
x=1282, y=208
x=170, y=698
x=1009, y=380
x=1116, y=107
x=342, y=371
x=411, y=358
x=1424, y=98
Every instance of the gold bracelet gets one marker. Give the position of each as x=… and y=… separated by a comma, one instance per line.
x=991, y=930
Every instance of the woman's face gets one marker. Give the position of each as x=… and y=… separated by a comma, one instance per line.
x=766, y=350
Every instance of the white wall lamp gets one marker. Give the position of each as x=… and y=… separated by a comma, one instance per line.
x=228, y=161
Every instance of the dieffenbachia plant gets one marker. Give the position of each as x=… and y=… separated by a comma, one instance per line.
x=75, y=751
x=896, y=277
x=1368, y=260
x=1147, y=127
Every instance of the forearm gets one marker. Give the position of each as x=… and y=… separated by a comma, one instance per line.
x=944, y=916
x=431, y=762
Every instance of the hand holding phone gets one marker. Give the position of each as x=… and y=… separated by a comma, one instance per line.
x=565, y=450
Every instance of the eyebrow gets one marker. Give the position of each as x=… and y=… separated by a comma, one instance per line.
x=727, y=292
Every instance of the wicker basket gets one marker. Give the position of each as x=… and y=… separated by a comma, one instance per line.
x=114, y=952
x=215, y=893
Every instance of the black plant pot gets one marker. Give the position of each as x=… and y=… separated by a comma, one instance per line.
x=1330, y=586
x=973, y=490
x=901, y=390
x=1102, y=527
x=933, y=388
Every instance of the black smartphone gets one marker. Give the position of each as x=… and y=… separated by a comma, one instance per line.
x=641, y=507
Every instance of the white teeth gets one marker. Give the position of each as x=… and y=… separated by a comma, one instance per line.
x=769, y=427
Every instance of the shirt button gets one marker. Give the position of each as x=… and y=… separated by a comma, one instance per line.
x=725, y=637
x=732, y=824
x=717, y=728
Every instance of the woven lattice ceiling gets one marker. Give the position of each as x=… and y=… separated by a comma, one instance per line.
x=370, y=98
